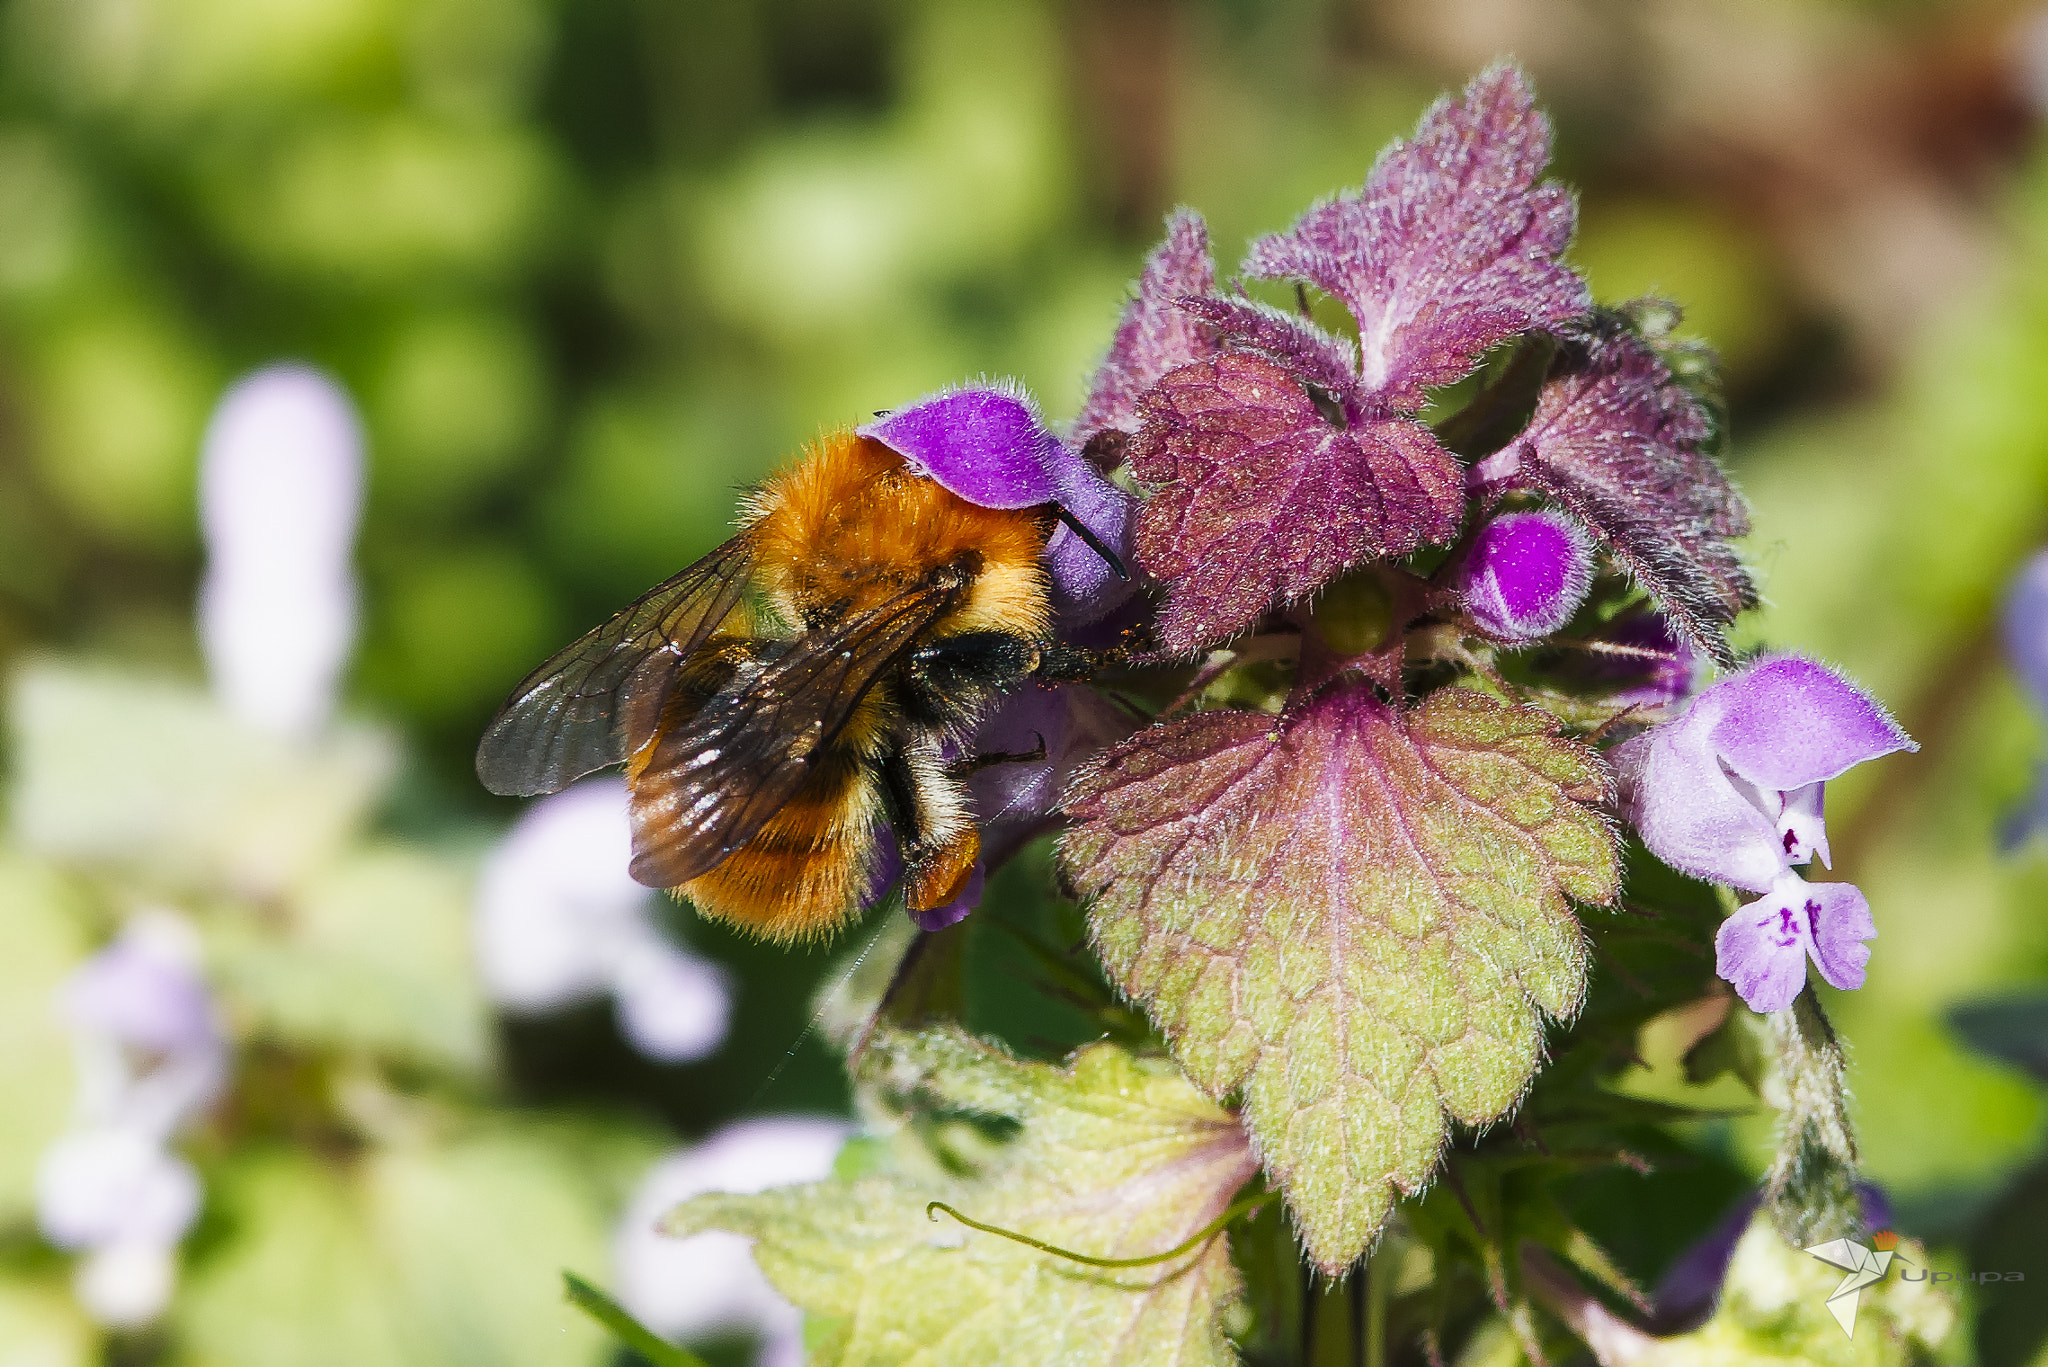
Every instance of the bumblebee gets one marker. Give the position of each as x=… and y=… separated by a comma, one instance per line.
x=812, y=678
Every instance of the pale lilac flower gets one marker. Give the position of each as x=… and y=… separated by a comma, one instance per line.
x=707, y=1283
x=560, y=920
x=987, y=444
x=150, y=1056
x=1732, y=790
x=2025, y=623
x=280, y=491
x=1526, y=574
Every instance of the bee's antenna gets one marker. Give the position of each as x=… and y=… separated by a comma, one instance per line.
x=1091, y=540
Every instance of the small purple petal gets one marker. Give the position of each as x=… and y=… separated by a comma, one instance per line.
x=1802, y=825
x=1674, y=792
x=1761, y=949
x=986, y=445
x=1154, y=336
x=1839, y=920
x=1014, y=802
x=1786, y=722
x=2025, y=621
x=886, y=870
x=1085, y=587
x=145, y=990
x=1450, y=247
x=954, y=912
x=1526, y=575
x=1686, y=1293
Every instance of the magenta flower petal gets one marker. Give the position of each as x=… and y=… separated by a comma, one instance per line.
x=1154, y=336
x=984, y=444
x=1787, y=722
x=1526, y=575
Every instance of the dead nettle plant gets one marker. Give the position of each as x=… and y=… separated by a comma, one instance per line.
x=1417, y=774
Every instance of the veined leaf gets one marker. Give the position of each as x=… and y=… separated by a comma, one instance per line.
x=1357, y=916
x=1114, y=1156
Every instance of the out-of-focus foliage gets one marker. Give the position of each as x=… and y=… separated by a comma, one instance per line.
x=589, y=267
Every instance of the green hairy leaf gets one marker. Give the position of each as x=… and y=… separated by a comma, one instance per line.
x=1114, y=1156
x=1358, y=917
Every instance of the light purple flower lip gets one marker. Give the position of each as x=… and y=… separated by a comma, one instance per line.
x=1526, y=575
x=1732, y=791
x=986, y=444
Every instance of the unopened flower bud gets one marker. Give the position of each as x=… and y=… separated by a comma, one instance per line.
x=1526, y=575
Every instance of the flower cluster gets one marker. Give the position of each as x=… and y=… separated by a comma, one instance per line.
x=1392, y=582
x=1733, y=791
x=151, y=1056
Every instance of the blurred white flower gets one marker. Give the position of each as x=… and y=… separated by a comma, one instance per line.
x=708, y=1283
x=150, y=1056
x=280, y=491
x=126, y=1285
x=114, y=1185
x=559, y=920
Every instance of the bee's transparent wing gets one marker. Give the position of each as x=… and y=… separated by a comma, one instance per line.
x=568, y=717
x=712, y=784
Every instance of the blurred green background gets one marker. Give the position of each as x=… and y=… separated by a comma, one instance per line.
x=589, y=268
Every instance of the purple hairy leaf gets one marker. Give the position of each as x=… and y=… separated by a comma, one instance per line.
x=1618, y=443
x=1312, y=355
x=1287, y=468
x=1154, y=336
x=1450, y=247
x=1358, y=917
x=1268, y=490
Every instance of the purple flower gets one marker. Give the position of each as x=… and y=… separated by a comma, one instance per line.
x=2025, y=622
x=150, y=1056
x=1526, y=575
x=1621, y=445
x=986, y=444
x=1732, y=791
